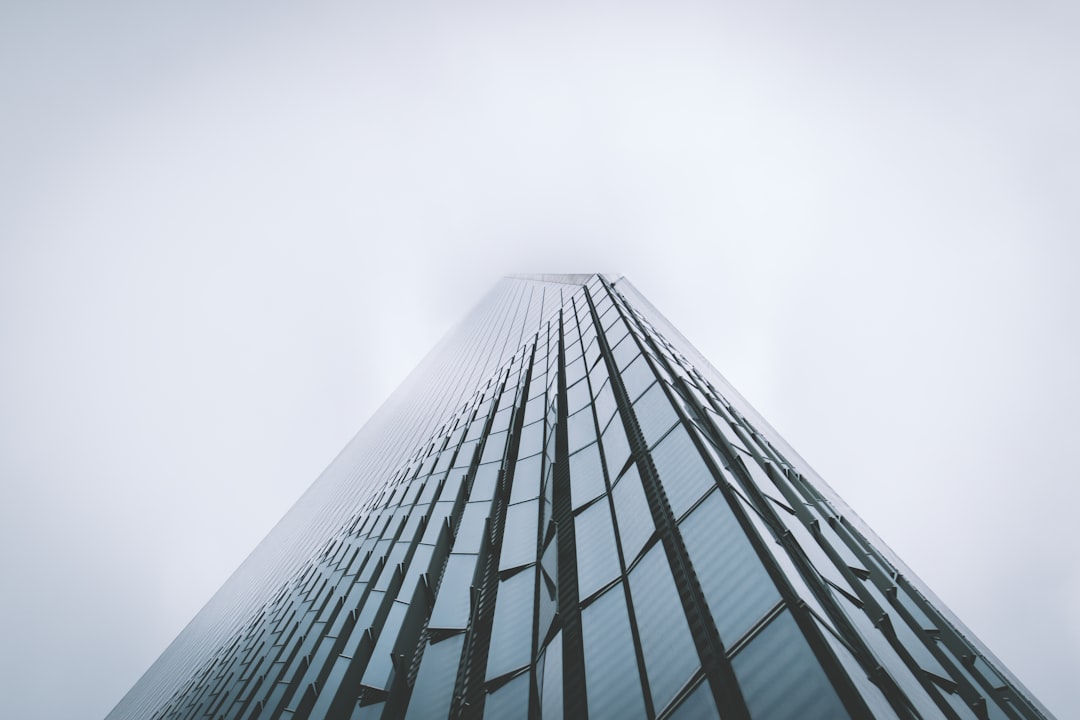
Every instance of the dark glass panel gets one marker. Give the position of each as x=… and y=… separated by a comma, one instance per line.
x=612, y=682
x=670, y=655
x=781, y=679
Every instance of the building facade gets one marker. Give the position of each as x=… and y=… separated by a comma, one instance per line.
x=566, y=512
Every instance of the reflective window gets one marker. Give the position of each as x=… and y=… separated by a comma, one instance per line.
x=551, y=696
x=654, y=413
x=683, y=473
x=526, y=479
x=624, y=352
x=732, y=576
x=605, y=403
x=377, y=674
x=452, y=604
x=698, y=705
x=586, y=475
x=487, y=478
x=519, y=535
x=532, y=440
x=577, y=396
x=470, y=532
x=670, y=655
x=781, y=679
x=632, y=510
x=580, y=429
x=435, y=680
x=616, y=447
x=637, y=377
x=597, y=557
x=510, y=701
x=612, y=684
x=511, y=630
x=494, y=448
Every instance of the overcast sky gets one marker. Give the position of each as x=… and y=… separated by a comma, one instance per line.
x=227, y=233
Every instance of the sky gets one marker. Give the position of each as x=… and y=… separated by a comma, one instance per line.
x=228, y=231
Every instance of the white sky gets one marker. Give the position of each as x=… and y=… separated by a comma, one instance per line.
x=227, y=233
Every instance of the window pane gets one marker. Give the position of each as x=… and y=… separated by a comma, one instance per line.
x=612, y=683
x=510, y=701
x=532, y=439
x=519, y=536
x=511, y=629
x=732, y=576
x=586, y=476
x=698, y=706
x=551, y=699
x=637, y=377
x=526, y=479
x=780, y=677
x=452, y=602
x=597, y=558
x=632, y=510
x=670, y=655
x=683, y=473
x=654, y=413
x=580, y=429
x=616, y=448
x=435, y=681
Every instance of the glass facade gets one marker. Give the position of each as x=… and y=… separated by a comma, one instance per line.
x=566, y=512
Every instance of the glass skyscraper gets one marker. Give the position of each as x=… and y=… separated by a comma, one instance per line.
x=566, y=512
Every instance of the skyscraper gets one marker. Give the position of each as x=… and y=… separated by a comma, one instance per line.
x=565, y=511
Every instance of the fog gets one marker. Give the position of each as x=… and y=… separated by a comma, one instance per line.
x=227, y=233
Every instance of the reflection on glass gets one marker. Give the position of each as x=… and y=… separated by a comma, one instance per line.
x=510, y=701
x=683, y=473
x=632, y=511
x=434, y=687
x=586, y=475
x=511, y=630
x=551, y=700
x=597, y=558
x=612, y=683
x=781, y=679
x=732, y=576
x=616, y=448
x=654, y=413
x=698, y=705
x=519, y=535
x=670, y=655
